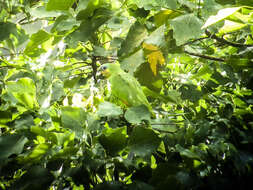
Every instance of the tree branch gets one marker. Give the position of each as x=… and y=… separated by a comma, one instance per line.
x=205, y=56
x=223, y=41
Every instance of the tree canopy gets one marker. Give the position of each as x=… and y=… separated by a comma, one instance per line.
x=61, y=127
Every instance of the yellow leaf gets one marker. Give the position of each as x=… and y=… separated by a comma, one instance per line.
x=149, y=47
x=154, y=58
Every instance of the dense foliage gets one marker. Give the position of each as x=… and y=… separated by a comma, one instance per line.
x=60, y=127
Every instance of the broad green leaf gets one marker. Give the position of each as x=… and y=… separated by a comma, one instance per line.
x=6, y=28
x=245, y=3
x=135, y=36
x=221, y=15
x=186, y=27
x=11, y=144
x=187, y=152
x=41, y=12
x=24, y=91
x=165, y=125
x=146, y=77
x=132, y=62
x=73, y=118
x=143, y=141
x=152, y=4
x=38, y=152
x=57, y=90
x=108, y=109
x=64, y=23
x=164, y=15
x=230, y=26
x=59, y=5
x=157, y=38
x=114, y=140
x=89, y=26
x=137, y=114
x=32, y=49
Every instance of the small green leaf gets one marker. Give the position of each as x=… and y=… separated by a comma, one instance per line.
x=108, y=109
x=143, y=141
x=137, y=114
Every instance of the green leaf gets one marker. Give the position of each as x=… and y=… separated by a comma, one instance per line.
x=221, y=15
x=152, y=4
x=135, y=36
x=157, y=37
x=73, y=118
x=107, y=109
x=245, y=3
x=89, y=26
x=57, y=90
x=186, y=27
x=60, y=5
x=11, y=144
x=36, y=177
x=5, y=117
x=32, y=49
x=137, y=114
x=41, y=12
x=231, y=26
x=143, y=141
x=114, y=140
x=6, y=28
x=186, y=152
x=24, y=91
x=165, y=125
x=132, y=62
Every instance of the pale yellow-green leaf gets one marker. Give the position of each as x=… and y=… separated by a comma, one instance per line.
x=231, y=26
x=222, y=14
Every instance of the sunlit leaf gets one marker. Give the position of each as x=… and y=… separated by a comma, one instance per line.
x=222, y=14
